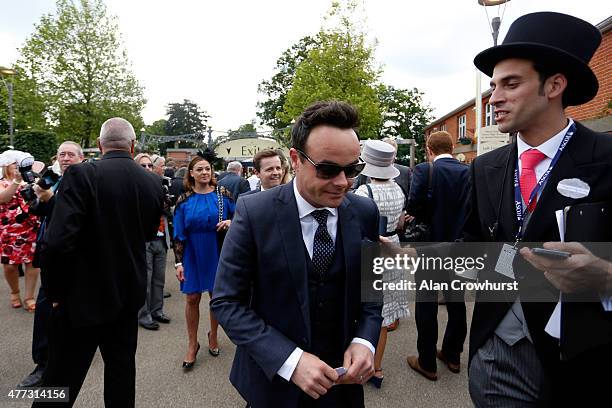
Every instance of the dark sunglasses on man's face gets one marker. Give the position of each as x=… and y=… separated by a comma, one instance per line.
x=147, y=165
x=330, y=170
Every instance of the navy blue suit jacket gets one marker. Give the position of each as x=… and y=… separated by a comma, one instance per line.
x=261, y=290
x=235, y=184
x=448, y=205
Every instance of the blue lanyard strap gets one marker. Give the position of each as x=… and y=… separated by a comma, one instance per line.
x=518, y=202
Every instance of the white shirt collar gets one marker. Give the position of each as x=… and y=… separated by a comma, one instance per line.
x=549, y=147
x=443, y=156
x=304, y=207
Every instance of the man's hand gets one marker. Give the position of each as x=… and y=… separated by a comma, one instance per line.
x=313, y=376
x=581, y=271
x=42, y=194
x=359, y=362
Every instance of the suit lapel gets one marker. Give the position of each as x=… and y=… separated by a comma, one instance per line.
x=575, y=162
x=494, y=174
x=351, y=244
x=287, y=219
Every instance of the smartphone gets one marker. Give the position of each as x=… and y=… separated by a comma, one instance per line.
x=551, y=253
x=340, y=371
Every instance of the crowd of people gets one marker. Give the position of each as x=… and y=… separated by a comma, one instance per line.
x=279, y=254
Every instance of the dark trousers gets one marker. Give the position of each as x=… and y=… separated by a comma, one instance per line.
x=40, y=333
x=71, y=351
x=426, y=317
x=338, y=396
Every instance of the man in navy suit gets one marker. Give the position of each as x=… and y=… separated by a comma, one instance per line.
x=287, y=290
x=268, y=168
x=443, y=201
x=233, y=181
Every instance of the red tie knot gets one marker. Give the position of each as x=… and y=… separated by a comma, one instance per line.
x=531, y=158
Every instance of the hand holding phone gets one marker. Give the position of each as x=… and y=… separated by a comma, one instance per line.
x=551, y=253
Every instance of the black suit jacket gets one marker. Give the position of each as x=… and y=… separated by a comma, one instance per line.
x=448, y=205
x=235, y=184
x=588, y=156
x=261, y=289
x=93, y=251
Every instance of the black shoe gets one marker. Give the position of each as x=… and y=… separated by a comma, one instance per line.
x=162, y=318
x=150, y=326
x=167, y=295
x=188, y=365
x=34, y=379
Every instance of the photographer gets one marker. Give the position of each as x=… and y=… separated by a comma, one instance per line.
x=68, y=153
x=18, y=230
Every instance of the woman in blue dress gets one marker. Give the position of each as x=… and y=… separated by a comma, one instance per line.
x=196, y=223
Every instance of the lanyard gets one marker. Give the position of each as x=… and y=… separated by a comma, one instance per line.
x=518, y=202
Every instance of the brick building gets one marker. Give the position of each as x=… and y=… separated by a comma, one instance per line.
x=461, y=122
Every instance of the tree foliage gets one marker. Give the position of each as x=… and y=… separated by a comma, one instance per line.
x=185, y=118
x=40, y=144
x=76, y=62
x=405, y=115
x=341, y=67
x=276, y=89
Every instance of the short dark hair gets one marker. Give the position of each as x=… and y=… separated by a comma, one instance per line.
x=546, y=70
x=333, y=113
x=264, y=154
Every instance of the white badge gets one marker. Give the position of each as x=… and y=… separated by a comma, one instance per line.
x=573, y=188
x=504, y=262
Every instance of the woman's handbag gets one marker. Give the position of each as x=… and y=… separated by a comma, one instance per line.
x=220, y=234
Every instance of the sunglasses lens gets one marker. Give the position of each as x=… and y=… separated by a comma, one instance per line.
x=327, y=171
x=354, y=170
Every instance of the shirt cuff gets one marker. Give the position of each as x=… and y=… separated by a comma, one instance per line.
x=366, y=343
x=606, y=302
x=287, y=369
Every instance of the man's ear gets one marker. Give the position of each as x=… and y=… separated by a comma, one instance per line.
x=132, y=147
x=100, y=146
x=555, y=85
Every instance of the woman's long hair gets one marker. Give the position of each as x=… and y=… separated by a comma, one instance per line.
x=188, y=180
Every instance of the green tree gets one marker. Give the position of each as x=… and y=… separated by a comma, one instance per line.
x=41, y=145
x=340, y=67
x=276, y=89
x=78, y=65
x=185, y=118
x=245, y=130
x=404, y=114
x=28, y=104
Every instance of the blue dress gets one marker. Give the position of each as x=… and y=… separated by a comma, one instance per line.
x=194, y=224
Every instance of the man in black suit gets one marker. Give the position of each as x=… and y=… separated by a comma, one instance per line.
x=68, y=153
x=287, y=290
x=233, y=181
x=93, y=255
x=521, y=353
x=268, y=168
x=442, y=201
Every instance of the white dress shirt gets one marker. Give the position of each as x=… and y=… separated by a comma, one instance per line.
x=309, y=227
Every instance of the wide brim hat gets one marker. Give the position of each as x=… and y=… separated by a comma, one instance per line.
x=379, y=157
x=556, y=40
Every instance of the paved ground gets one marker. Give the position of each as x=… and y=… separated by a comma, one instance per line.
x=161, y=382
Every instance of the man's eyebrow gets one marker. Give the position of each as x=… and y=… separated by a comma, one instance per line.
x=505, y=79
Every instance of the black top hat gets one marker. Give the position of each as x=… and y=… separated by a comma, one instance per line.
x=556, y=40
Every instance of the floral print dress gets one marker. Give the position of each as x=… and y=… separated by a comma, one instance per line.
x=18, y=230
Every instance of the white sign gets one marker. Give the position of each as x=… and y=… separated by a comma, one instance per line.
x=245, y=149
x=491, y=138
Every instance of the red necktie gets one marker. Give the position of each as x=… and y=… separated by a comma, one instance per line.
x=529, y=160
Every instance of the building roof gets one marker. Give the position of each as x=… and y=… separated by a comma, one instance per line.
x=469, y=103
x=605, y=25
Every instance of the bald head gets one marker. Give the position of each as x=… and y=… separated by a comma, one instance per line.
x=116, y=134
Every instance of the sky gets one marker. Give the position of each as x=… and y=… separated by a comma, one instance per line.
x=217, y=52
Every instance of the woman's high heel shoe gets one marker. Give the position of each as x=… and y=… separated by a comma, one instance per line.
x=377, y=381
x=15, y=300
x=213, y=351
x=188, y=365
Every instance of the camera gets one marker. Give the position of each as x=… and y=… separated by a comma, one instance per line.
x=168, y=198
x=28, y=176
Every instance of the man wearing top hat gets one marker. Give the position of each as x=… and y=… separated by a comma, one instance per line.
x=521, y=353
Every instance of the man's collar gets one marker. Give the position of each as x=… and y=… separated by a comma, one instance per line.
x=116, y=153
x=549, y=147
x=304, y=207
x=443, y=156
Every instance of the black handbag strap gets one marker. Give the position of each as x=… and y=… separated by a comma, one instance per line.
x=370, y=191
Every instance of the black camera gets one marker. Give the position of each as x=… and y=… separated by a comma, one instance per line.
x=28, y=176
x=168, y=198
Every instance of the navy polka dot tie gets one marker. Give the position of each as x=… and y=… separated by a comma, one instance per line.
x=323, y=248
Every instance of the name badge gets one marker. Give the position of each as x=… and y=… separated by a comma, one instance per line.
x=504, y=262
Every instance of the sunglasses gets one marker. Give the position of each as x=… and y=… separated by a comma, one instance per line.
x=329, y=170
x=147, y=165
